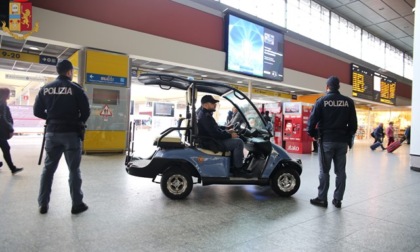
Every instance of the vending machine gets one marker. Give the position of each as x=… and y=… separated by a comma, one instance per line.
x=296, y=116
x=276, y=115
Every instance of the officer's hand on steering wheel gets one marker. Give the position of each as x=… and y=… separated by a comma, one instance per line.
x=236, y=126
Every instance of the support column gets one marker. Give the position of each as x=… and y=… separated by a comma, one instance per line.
x=415, y=103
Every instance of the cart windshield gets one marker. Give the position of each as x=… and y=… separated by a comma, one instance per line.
x=247, y=109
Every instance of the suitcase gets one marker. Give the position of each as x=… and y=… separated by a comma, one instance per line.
x=375, y=145
x=392, y=147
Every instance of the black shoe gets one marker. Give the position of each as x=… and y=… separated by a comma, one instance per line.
x=1, y=163
x=319, y=202
x=16, y=170
x=43, y=209
x=336, y=203
x=79, y=208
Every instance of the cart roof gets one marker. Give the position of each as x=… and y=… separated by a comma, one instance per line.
x=167, y=81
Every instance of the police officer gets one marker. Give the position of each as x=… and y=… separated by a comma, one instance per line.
x=335, y=116
x=65, y=107
x=221, y=139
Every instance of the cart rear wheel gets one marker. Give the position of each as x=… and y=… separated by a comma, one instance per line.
x=176, y=183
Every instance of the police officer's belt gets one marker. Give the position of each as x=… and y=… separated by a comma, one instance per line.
x=56, y=121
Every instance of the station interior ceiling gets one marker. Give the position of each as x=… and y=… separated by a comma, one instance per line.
x=391, y=20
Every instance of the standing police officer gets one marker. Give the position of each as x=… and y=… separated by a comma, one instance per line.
x=335, y=116
x=65, y=106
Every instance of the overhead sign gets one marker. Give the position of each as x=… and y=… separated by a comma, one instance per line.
x=106, y=68
x=25, y=77
x=32, y=58
x=263, y=92
x=106, y=79
x=373, y=86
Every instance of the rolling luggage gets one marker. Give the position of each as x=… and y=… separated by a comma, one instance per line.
x=375, y=145
x=395, y=145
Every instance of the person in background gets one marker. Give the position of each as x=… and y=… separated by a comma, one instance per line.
x=407, y=133
x=179, y=122
x=267, y=116
x=390, y=133
x=236, y=118
x=335, y=116
x=378, y=134
x=65, y=107
x=6, y=130
x=229, y=117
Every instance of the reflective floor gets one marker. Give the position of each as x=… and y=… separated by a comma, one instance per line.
x=380, y=209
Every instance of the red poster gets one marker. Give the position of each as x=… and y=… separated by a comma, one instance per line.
x=26, y=17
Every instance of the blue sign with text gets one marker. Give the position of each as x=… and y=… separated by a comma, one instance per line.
x=106, y=79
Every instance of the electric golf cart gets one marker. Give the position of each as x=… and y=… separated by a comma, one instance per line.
x=178, y=159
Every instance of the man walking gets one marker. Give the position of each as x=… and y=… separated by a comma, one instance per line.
x=335, y=116
x=65, y=107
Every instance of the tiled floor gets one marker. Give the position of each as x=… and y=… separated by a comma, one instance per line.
x=380, y=210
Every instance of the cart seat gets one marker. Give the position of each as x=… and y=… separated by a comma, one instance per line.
x=210, y=152
x=169, y=141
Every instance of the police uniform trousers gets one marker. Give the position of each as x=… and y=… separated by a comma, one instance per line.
x=236, y=146
x=56, y=144
x=332, y=152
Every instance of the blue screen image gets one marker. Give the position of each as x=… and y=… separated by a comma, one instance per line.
x=253, y=49
x=246, y=47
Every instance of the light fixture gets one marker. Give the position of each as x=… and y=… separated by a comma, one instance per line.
x=268, y=86
x=160, y=68
x=240, y=82
x=34, y=48
x=204, y=76
x=292, y=91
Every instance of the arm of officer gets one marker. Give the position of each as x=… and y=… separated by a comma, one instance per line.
x=313, y=120
x=353, y=119
x=39, y=107
x=83, y=103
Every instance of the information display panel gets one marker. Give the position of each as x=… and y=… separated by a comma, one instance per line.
x=373, y=86
x=253, y=49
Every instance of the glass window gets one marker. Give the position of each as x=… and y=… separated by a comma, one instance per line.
x=269, y=10
x=373, y=49
x=408, y=66
x=394, y=60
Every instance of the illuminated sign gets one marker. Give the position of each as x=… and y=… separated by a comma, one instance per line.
x=373, y=86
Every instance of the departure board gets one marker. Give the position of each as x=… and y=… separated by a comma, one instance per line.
x=373, y=86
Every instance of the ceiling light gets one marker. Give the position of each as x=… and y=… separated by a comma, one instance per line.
x=292, y=91
x=160, y=68
x=239, y=82
x=204, y=76
x=268, y=86
x=34, y=48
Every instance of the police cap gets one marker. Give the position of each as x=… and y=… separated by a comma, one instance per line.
x=208, y=98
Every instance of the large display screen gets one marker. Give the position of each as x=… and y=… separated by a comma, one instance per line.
x=163, y=109
x=253, y=49
x=105, y=96
x=373, y=86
